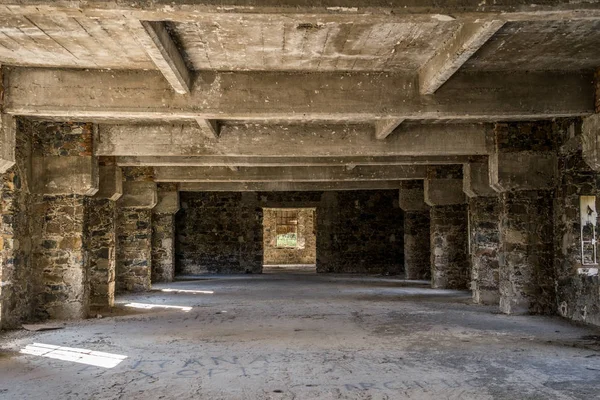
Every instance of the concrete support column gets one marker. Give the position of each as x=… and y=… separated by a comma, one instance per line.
x=134, y=230
x=523, y=168
x=443, y=190
x=484, y=232
x=163, y=233
x=417, y=246
x=64, y=172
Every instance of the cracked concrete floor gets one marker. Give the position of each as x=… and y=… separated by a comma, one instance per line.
x=301, y=336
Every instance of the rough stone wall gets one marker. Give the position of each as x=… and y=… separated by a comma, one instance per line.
x=360, y=232
x=163, y=247
x=578, y=296
x=305, y=253
x=417, y=246
x=133, y=255
x=19, y=283
x=485, y=247
x=597, y=81
x=526, y=262
x=449, y=261
x=219, y=232
x=101, y=225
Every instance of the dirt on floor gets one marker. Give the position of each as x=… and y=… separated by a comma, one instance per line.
x=303, y=336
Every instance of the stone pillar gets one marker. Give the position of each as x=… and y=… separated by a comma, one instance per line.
x=101, y=225
x=443, y=191
x=417, y=246
x=134, y=230
x=64, y=171
x=484, y=232
x=163, y=233
x=523, y=168
x=19, y=280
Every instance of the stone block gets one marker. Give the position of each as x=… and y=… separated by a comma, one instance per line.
x=8, y=131
x=111, y=182
x=411, y=196
x=64, y=175
x=476, y=180
x=523, y=170
x=168, y=202
x=138, y=194
x=444, y=192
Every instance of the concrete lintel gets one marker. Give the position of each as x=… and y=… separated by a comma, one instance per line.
x=138, y=194
x=63, y=175
x=476, y=180
x=293, y=140
x=286, y=186
x=93, y=94
x=155, y=38
x=523, y=170
x=111, y=182
x=289, y=174
x=444, y=192
x=412, y=197
x=469, y=37
x=168, y=202
x=591, y=141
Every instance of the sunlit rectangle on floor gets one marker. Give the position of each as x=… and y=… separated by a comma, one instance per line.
x=82, y=356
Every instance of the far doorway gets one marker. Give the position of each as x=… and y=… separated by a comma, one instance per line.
x=289, y=240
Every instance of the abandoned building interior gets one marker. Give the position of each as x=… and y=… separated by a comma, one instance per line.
x=279, y=199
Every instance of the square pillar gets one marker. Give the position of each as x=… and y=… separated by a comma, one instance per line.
x=417, y=246
x=443, y=191
x=134, y=230
x=163, y=233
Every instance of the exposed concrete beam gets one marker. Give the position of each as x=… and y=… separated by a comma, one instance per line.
x=454, y=53
x=210, y=127
x=159, y=46
x=8, y=134
x=195, y=11
x=476, y=179
x=273, y=161
x=384, y=127
x=288, y=174
x=286, y=186
x=144, y=95
x=294, y=141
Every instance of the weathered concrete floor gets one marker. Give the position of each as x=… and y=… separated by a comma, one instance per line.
x=311, y=337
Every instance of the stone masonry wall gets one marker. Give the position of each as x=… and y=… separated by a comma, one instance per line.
x=485, y=247
x=578, y=296
x=357, y=231
x=163, y=247
x=19, y=282
x=219, y=232
x=449, y=261
x=417, y=246
x=360, y=232
x=305, y=253
x=101, y=225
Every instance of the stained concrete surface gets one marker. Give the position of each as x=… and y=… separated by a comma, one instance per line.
x=302, y=336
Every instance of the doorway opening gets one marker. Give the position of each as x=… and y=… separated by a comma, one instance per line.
x=289, y=240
